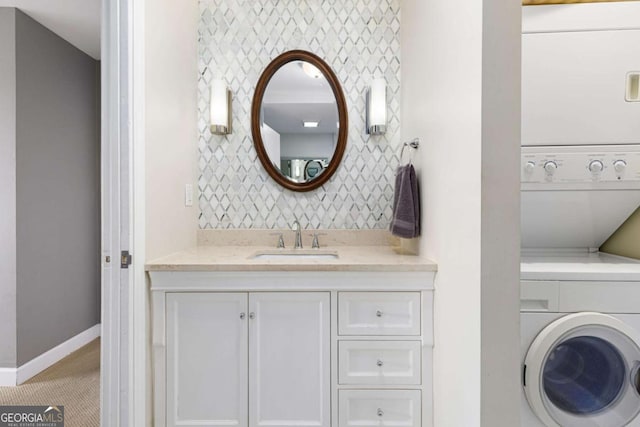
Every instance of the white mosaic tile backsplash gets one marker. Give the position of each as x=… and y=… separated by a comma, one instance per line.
x=360, y=40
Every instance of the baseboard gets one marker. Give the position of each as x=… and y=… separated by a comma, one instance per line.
x=8, y=376
x=16, y=376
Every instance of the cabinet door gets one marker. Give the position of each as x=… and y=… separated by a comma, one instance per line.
x=289, y=381
x=207, y=359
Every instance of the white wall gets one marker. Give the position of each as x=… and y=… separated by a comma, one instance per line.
x=171, y=124
x=461, y=96
x=7, y=188
x=170, y=135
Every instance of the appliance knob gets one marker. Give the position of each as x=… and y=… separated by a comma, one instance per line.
x=550, y=167
x=529, y=167
x=619, y=165
x=596, y=166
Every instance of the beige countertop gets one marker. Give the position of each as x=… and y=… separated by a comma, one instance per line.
x=241, y=258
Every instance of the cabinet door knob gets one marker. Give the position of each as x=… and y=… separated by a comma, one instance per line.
x=242, y=315
x=380, y=412
x=252, y=315
x=378, y=313
x=379, y=362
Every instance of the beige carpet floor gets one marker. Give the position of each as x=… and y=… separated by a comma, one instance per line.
x=73, y=382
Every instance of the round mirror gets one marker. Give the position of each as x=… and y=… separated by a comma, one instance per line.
x=299, y=120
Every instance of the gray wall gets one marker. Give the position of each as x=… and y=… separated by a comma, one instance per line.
x=58, y=197
x=7, y=189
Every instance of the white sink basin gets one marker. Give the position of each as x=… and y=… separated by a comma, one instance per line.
x=295, y=256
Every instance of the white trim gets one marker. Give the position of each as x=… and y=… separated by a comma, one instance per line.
x=581, y=17
x=17, y=376
x=8, y=377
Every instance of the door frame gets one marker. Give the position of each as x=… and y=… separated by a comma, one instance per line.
x=123, y=377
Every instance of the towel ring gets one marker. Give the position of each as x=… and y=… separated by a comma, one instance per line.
x=414, y=143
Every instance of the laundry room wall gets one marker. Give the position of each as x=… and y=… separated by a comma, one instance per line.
x=626, y=240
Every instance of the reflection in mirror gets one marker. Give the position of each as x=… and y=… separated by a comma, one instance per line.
x=299, y=121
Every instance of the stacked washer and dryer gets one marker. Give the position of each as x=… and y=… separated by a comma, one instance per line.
x=580, y=308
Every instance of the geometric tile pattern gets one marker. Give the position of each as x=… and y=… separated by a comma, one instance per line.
x=360, y=40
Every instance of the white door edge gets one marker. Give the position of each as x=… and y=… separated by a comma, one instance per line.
x=120, y=403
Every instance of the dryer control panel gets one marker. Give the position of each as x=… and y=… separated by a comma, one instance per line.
x=581, y=167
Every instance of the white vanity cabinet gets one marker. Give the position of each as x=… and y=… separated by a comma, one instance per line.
x=257, y=349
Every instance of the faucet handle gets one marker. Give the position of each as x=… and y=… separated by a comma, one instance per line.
x=315, y=243
x=280, y=244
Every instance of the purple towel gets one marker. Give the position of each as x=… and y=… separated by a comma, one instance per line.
x=405, y=221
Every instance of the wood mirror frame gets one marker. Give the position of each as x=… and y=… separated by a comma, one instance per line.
x=341, y=144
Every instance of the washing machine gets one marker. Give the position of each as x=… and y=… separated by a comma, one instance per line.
x=580, y=340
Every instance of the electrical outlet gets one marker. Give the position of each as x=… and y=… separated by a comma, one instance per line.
x=188, y=195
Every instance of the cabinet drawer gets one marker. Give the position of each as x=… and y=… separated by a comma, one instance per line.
x=379, y=313
x=398, y=408
x=379, y=362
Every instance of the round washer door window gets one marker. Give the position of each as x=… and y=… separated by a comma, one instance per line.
x=583, y=368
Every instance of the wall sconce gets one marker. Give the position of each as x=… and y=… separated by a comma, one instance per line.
x=377, y=107
x=220, y=123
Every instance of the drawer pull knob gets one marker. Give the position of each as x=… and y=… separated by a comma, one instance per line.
x=379, y=363
x=379, y=313
x=380, y=412
x=242, y=316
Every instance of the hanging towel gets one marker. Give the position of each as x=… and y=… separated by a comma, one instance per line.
x=405, y=221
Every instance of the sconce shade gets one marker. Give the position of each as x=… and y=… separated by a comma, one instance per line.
x=220, y=109
x=377, y=107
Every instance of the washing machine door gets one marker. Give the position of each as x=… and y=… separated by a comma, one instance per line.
x=583, y=370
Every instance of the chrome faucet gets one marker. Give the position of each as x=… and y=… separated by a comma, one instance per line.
x=296, y=227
